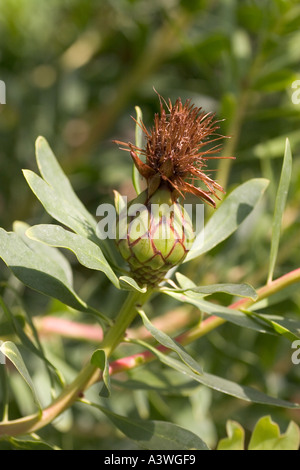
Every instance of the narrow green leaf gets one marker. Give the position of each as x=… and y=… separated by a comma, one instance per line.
x=18, y=329
x=231, y=213
x=234, y=316
x=154, y=435
x=39, y=272
x=87, y=252
x=99, y=359
x=276, y=298
x=138, y=129
x=270, y=324
x=169, y=343
x=20, y=229
x=235, y=439
x=185, y=282
x=10, y=350
x=279, y=206
x=266, y=436
x=167, y=382
x=53, y=174
x=30, y=443
x=139, y=143
x=60, y=209
x=128, y=283
x=59, y=199
x=288, y=328
x=278, y=325
x=218, y=383
x=120, y=202
x=240, y=290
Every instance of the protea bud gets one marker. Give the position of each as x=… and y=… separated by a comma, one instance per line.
x=154, y=235
x=174, y=152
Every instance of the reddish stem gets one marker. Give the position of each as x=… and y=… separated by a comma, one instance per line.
x=68, y=328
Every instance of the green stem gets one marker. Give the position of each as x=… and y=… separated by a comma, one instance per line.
x=38, y=420
x=90, y=374
x=123, y=320
x=87, y=376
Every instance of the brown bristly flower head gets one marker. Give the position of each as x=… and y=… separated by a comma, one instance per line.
x=175, y=150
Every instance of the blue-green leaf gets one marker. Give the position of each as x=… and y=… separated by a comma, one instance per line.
x=99, y=359
x=33, y=442
x=169, y=343
x=120, y=202
x=18, y=329
x=20, y=229
x=270, y=324
x=136, y=177
x=87, y=252
x=229, y=215
x=128, y=283
x=58, y=197
x=286, y=327
x=240, y=290
x=154, y=435
x=39, y=272
x=53, y=174
x=234, y=316
x=10, y=350
x=220, y=384
x=60, y=209
x=279, y=206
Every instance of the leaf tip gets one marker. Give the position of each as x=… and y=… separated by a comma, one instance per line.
x=40, y=140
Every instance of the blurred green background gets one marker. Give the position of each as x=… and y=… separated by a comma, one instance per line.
x=74, y=71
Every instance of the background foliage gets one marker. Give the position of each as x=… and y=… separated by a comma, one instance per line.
x=74, y=72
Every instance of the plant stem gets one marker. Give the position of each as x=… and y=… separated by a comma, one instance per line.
x=36, y=421
x=90, y=374
x=50, y=324
x=87, y=376
x=173, y=320
x=123, y=320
